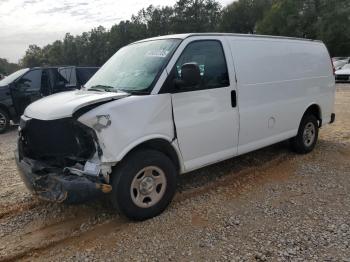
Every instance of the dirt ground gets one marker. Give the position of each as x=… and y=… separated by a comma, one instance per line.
x=269, y=205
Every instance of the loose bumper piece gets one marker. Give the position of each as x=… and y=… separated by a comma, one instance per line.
x=54, y=185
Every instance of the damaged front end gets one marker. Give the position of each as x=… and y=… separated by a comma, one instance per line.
x=59, y=160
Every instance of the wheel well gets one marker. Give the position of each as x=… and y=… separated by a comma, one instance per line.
x=163, y=146
x=316, y=111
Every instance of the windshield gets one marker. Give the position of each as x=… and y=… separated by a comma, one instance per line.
x=339, y=63
x=347, y=66
x=9, y=79
x=135, y=67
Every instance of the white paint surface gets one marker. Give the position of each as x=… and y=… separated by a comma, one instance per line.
x=277, y=80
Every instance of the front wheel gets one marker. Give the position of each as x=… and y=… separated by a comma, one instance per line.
x=307, y=136
x=143, y=184
x=4, y=121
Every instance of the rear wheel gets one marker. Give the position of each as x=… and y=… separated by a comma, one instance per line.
x=4, y=121
x=143, y=184
x=307, y=136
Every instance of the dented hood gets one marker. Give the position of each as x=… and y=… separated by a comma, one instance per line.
x=64, y=104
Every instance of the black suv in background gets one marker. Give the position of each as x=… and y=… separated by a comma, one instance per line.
x=25, y=86
x=77, y=76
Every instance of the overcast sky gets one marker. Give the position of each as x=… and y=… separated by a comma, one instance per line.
x=24, y=22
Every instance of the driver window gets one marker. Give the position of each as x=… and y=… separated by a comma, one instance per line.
x=31, y=81
x=210, y=58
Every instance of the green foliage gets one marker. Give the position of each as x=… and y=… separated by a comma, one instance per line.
x=7, y=68
x=327, y=20
x=333, y=26
x=290, y=18
x=155, y=21
x=33, y=57
x=242, y=16
x=96, y=46
x=196, y=16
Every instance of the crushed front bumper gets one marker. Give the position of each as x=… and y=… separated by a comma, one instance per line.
x=53, y=185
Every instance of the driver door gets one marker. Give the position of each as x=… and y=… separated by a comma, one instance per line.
x=206, y=116
x=26, y=90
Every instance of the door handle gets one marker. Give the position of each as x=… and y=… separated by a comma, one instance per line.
x=233, y=98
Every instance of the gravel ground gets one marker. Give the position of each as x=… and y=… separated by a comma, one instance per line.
x=269, y=205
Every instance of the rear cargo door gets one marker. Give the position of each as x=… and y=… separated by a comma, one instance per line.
x=206, y=116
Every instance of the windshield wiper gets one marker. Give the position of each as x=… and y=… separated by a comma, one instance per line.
x=96, y=89
x=102, y=88
x=134, y=92
x=106, y=88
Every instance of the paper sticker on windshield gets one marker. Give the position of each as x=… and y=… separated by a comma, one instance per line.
x=157, y=53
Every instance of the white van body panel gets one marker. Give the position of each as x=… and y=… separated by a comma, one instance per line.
x=278, y=79
x=208, y=130
x=275, y=79
x=133, y=120
x=198, y=99
x=206, y=124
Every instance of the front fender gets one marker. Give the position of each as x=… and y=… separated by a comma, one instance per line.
x=140, y=141
x=129, y=122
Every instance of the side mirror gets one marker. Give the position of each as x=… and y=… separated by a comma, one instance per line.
x=190, y=75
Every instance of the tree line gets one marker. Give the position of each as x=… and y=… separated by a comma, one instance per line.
x=326, y=20
x=6, y=67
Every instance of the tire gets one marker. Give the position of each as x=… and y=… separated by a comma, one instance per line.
x=307, y=136
x=143, y=185
x=4, y=121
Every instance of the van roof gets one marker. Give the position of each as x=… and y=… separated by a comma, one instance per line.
x=59, y=67
x=183, y=36
x=78, y=67
x=43, y=67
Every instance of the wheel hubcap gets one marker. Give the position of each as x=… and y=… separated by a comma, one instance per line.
x=2, y=121
x=309, y=134
x=148, y=187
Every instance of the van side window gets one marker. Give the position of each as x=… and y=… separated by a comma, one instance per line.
x=209, y=56
x=59, y=81
x=64, y=73
x=69, y=75
x=73, y=77
x=31, y=81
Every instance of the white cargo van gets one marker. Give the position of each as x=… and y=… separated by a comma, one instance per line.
x=169, y=105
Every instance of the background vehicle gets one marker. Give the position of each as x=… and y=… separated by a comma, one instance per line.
x=340, y=63
x=27, y=85
x=339, y=58
x=170, y=105
x=343, y=74
x=77, y=76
